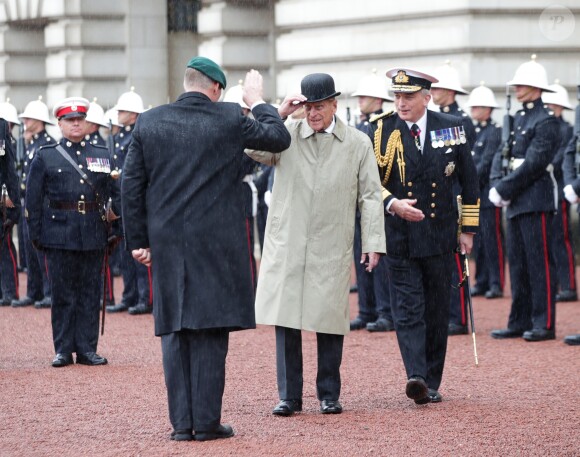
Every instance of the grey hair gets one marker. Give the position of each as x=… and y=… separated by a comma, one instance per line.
x=426, y=91
x=195, y=79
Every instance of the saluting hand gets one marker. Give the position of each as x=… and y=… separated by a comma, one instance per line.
x=142, y=255
x=252, y=91
x=290, y=104
x=405, y=210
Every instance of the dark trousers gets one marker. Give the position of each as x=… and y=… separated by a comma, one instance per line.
x=458, y=299
x=532, y=272
x=8, y=268
x=492, y=242
x=38, y=284
x=374, y=288
x=250, y=240
x=136, y=281
x=563, y=248
x=421, y=313
x=194, y=363
x=289, y=369
x=75, y=283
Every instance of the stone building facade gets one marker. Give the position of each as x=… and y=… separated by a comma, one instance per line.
x=58, y=48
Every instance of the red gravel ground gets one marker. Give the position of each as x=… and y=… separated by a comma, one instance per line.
x=523, y=399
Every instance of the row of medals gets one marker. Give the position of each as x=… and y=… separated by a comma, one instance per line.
x=448, y=137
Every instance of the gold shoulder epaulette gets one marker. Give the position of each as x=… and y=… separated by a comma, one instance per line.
x=376, y=117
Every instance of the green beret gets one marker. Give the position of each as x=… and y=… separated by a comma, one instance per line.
x=209, y=68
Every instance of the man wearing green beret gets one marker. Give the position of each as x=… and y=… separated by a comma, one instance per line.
x=183, y=214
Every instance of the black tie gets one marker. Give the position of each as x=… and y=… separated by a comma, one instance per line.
x=415, y=133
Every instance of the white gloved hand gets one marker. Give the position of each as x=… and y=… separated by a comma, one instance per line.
x=496, y=199
x=267, y=197
x=570, y=194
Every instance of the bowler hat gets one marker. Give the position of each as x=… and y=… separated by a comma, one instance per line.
x=317, y=87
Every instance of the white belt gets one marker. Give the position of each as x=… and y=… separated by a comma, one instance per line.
x=249, y=180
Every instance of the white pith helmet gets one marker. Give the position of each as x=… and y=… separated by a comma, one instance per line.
x=130, y=101
x=95, y=114
x=8, y=112
x=482, y=96
x=234, y=95
x=448, y=79
x=558, y=97
x=38, y=110
x=532, y=74
x=113, y=116
x=373, y=86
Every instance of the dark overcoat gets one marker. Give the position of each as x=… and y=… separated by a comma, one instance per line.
x=182, y=197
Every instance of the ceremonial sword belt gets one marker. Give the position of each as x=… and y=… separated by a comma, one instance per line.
x=80, y=206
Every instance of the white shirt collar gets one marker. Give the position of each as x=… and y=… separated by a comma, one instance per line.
x=330, y=128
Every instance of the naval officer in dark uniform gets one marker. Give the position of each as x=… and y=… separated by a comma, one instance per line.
x=68, y=187
x=529, y=190
x=419, y=153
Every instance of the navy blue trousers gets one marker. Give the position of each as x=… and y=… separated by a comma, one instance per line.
x=8, y=268
x=76, y=291
x=194, y=364
x=374, y=288
x=421, y=313
x=38, y=284
x=563, y=248
x=289, y=368
x=532, y=272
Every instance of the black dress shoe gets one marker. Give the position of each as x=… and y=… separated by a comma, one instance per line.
x=435, y=396
x=141, y=308
x=539, y=334
x=223, y=431
x=358, y=324
x=62, y=360
x=117, y=308
x=46, y=302
x=457, y=329
x=287, y=407
x=181, y=435
x=477, y=290
x=91, y=358
x=7, y=301
x=572, y=340
x=330, y=407
x=417, y=389
x=567, y=295
x=381, y=325
x=494, y=292
x=506, y=333
x=353, y=289
x=26, y=301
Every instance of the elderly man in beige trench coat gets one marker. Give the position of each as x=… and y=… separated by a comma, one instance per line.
x=304, y=277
